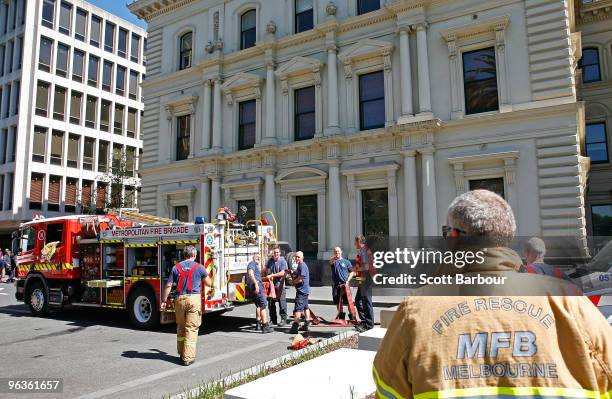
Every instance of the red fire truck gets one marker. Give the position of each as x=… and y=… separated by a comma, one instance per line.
x=122, y=260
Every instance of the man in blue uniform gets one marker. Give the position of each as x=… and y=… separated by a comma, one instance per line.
x=363, y=298
x=188, y=276
x=257, y=294
x=342, y=273
x=302, y=289
x=277, y=268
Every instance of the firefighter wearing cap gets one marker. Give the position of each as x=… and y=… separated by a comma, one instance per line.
x=188, y=275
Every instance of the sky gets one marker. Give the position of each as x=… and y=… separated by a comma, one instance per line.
x=119, y=8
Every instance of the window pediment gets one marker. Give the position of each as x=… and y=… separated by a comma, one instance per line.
x=181, y=106
x=300, y=174
x=299, y=66
x=486, y=27
x=365, y=49
x=242, y=85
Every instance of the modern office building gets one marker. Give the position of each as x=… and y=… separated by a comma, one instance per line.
x=594, y=21
x=70, y=97
x=363, y=116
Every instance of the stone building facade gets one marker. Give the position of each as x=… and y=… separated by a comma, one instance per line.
x=363, y=116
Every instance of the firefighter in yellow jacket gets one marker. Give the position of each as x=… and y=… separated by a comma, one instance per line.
x=493, y=342
x=189, y=276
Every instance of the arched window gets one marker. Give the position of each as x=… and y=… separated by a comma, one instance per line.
x=186, y=46
x=248, y=29
x=590, y=65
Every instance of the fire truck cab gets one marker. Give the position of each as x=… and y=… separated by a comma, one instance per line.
x=123, y=260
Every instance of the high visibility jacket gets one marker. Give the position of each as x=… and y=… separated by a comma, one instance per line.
x=548, y=346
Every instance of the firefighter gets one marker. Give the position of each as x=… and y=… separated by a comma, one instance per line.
x=487, y=341
x=277, y=270
x=257, y=294
x=301, y=282
x=188, y=275
x=363, y=297
x=342, y=274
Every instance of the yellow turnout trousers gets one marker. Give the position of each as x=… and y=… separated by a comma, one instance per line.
x=188, y=310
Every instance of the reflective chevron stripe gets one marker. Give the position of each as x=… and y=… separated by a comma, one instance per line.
x=166, y=242
x=516, y=392
x=141, y=245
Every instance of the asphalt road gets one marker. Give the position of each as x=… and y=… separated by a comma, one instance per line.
x=98, y=354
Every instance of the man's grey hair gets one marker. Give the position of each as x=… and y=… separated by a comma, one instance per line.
x=189, y=252
x=483, y=213
x=300, y=253
x=536, y=246
x=360, y=238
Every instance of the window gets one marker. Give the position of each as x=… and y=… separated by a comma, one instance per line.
x=101, y=196
x=596, y=142
x=15, y=14
x=71, y=194
x=186, y=45
x=496, y=185
x=1, y=192
x=248, y=29
x=181, y=213
x=375, y=212
x=86, y=193
x=120, y=82
x=129, y=196
x=57, y=147
x=5, y=8
x=130, y=160
x=9, y=88
x=53, y=201
x=109, y=37
x=23, y=11
x=135, y=48
x=48, y=12
x=131, y=123
x=11, y=47
x=364, y=6
x=371, y=101
x=88, y=153
x=118, y=119
x=590, y=65
x=61, y=64
x=4, y=151
x=249, y=210
x=75, y=107
x=17, y=94
x=80, y=25
x=304, y=16
x=91, y=111
x=37, y=182
x=117, y=155
x=183, y=131
x=107, y=75
x=94, y=31
x=42, y=98
x=11, y=182
x=65, y=18
x=133, y=85
x=59, y=103
x=304, y=113
x=2, y=55
x=39, y=145
x=306, y=224
x=480, y=81
x=105, y=116
x=122, y=43
x=246, y=124
x=19, y=51
x=601, y=217
x=103, y=148
x=73, y=151
x=92, y=76
x=78, y=57
x=44, y=55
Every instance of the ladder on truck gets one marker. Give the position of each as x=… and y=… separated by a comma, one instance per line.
x=133, y=215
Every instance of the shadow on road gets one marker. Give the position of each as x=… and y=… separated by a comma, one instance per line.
x=155, y=354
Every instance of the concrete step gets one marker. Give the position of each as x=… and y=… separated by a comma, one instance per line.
x=370, y=340
x=386, y=315
x=344, y=373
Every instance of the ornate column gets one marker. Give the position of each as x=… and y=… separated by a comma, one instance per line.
x=215, y=196
x=321, y=216
x=411, y=209
x=350, y=97
x=405, y=71
x=389, y=114
x=335, y=208
x=430, y=218
x=423, y=69
x=206, y=122
x=392, y=203
x=217, y=142
x=270, y=191
x=270, y=134
x=170, y=136
x=333, y=119
x=500, y=57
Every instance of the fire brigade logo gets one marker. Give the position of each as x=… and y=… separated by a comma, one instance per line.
x=208, y=240
x=41, y=235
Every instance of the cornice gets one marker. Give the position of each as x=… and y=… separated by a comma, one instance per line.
x=594, y=11
x=150, y=9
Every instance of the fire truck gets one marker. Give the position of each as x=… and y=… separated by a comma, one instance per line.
x=122, y=260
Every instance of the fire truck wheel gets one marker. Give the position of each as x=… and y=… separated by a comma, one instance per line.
x=144, y=312
x=38, y=299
